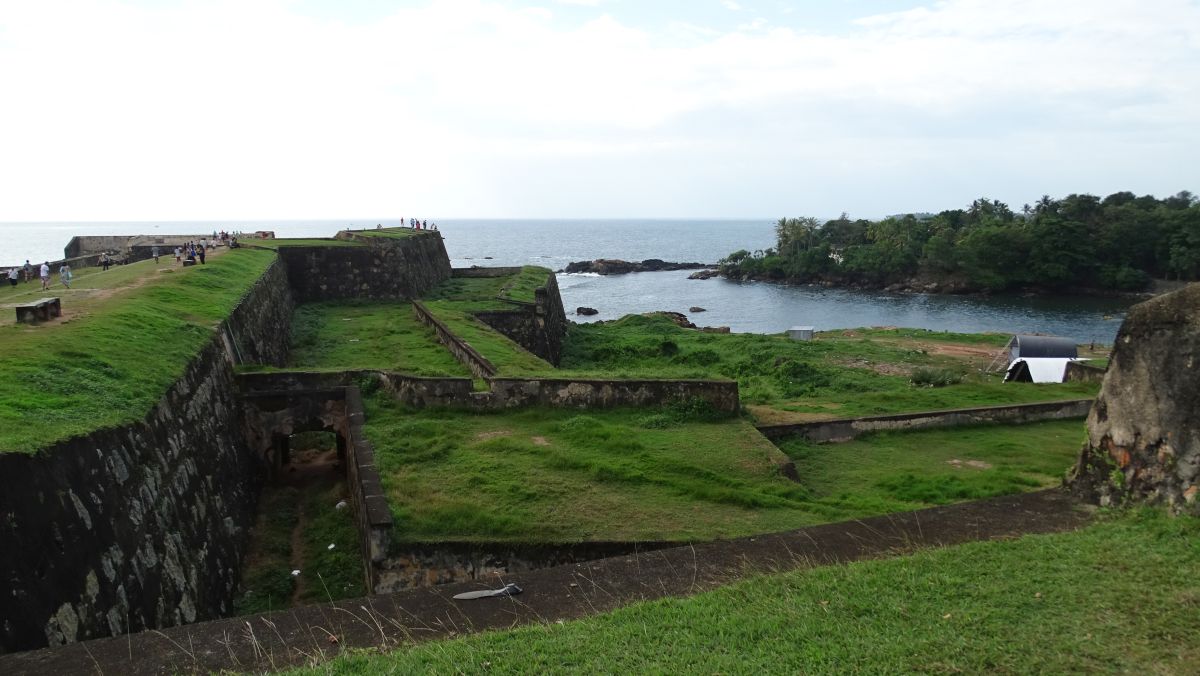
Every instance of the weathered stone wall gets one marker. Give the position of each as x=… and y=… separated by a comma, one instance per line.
x=425, y=565
x=539, y=326
x=371, y=510
x=142, y=525
x=1144, y=432
x=1078, y=372
x=722, y=395
x=382, y=268
x=845, y=429
x=461, y=349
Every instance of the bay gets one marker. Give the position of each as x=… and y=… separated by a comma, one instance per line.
x=757, y=307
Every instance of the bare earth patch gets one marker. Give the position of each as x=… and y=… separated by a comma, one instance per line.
x=492, y=434
x=976, y=464
x=540, y=441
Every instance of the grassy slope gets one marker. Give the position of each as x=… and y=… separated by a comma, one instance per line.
x=1119, y=596
x=559, y=475
x=901, y=471
x=509, y=358
x=376, y=335
x=521, y=286
x=117, y=356
x=276, y=243
x=390, y=233
x=859, y=373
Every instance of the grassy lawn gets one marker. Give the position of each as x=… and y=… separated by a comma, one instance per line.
x=559, y=475
x=368, y=335
x=126, y=337
x=901, y=471
x=390, y=233
x=1121, y=596
x=509, y=358
x=841, y=374
x=521, y=287
x=539, y=475
x=277, y=243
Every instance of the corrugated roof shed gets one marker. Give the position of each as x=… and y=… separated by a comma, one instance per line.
x=1041, y=346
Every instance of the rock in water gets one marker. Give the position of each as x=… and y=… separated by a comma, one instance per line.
x=696, y=308
x=705, y=274
x=1144, y=430
x=586, y=311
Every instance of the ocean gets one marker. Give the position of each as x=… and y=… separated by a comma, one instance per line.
x=757, y=307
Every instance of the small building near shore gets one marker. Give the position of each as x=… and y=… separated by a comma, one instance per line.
x=1041, y=347
x=801, y=332
x=1038, y=370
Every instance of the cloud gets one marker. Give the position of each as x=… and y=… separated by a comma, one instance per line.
x=471, y=107
x=731, y=5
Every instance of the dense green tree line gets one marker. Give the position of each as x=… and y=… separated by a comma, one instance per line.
x=1119, y=242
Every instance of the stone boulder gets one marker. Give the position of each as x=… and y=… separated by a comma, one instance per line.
x=586, y=311
x=696, y=308
x=1144, y=430
x=705, y=274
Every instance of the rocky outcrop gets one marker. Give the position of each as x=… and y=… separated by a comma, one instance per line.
x=1144, y=431
x=586, y=311
x=613, y=266
x=705, y=274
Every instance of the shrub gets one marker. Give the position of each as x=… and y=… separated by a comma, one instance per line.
x=932, y=377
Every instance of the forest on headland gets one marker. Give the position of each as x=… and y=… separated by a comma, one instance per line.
x=1080, y=243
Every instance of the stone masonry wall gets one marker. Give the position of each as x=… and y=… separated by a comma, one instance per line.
x=538, y=327
x=1144, y=431
x=722, y=395
x=382, y=268
x=845, y=429
x=142, y=525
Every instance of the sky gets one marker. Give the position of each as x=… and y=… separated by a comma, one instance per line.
x=276, y=109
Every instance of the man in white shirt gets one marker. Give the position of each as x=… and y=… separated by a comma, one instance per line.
x=45, y=273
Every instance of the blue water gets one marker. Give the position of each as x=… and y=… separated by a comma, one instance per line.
x=744, y=307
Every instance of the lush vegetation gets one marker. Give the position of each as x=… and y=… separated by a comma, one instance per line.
x=841, y=373
x=368, y=335
x=127, y=336
x=389, y=233
x=679, y=474
x=522, y=285
x=282, y=242
x=1081, y=241
x=1119, y=596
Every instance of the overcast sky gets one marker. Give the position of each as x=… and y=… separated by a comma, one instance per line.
x=249, y=109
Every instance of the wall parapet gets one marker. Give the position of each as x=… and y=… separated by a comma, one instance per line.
x=461, y=349
x=846, y=429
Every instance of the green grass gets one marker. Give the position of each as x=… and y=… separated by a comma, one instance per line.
x=521, y=287
x=561, y=476
x=901, y=471
x=267, y=583
x=282, y=242
x=117, y=355
x=1121, y=596
x=390, y=233
x=330, y=574
x=539, y=475
x=368, y=335
x=841, y=374
x=509, y=358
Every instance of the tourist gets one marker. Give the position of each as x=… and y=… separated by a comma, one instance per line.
x=13, y=276
x=45, y=275
x=65, y=274
x=154, y=252
x=178, y=255
x=28, y=270
x=104, y=261
x=200, y=251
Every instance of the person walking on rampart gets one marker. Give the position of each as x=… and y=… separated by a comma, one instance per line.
x=65, y=274
x=154, y=252
x=13, y=276
x=45, y=275
x=200, y=252
x=104, y=261
x=178, y=255
x=28, y=270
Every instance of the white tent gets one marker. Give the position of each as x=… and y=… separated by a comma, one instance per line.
x=1038, y=369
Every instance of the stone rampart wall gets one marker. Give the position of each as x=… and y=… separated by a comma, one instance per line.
x=143, y=525
x=845, y=429
x=381, y=269
x=722, y=395
x=539, y=326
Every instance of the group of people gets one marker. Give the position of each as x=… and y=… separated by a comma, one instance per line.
x=416, y=224
x=191, y=250
x=15, y=274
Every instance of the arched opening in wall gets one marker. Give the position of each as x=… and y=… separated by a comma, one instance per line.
x=305, y=545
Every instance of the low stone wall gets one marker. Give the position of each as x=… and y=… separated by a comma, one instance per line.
x=371, y=510
x=382, y=268
x=1078, y=372
x=426, y=565
x=539, y=326
x=845, y=429
x=461, y=349
x=722, y=395
x=143, y=525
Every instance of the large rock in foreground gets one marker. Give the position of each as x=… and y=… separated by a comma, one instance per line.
x=1144, y=430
